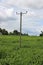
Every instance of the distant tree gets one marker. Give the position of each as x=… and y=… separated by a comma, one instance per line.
x=15, y=32
x=25, y=34
x=10, y=33
x=4, y=32
x=0, y=30
x=41, y=33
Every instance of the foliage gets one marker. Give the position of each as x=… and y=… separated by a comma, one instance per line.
x=0, y=30
x=31, y=52
x=4, y=32
x=15, y=32
x=10, y=33
x=41, y=33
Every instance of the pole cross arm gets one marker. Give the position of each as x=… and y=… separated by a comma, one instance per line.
x=25, y=12
x=17, y=13
x=21, y=13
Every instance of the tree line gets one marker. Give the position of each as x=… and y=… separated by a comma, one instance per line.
x=15, y=32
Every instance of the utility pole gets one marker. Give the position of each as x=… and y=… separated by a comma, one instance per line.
x=21, y=25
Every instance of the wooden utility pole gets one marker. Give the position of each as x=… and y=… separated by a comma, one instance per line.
x=21, y=25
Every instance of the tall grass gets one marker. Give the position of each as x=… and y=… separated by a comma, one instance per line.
x=30, y=53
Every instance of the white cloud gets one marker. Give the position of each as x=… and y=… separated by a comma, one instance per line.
x=30, y=20
x=9, y=12
x=6, y=14
x=22, y=3
x=25, y=3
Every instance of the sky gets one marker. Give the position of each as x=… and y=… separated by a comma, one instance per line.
x=32, y=22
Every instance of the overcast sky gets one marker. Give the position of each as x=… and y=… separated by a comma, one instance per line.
x=32, y=22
